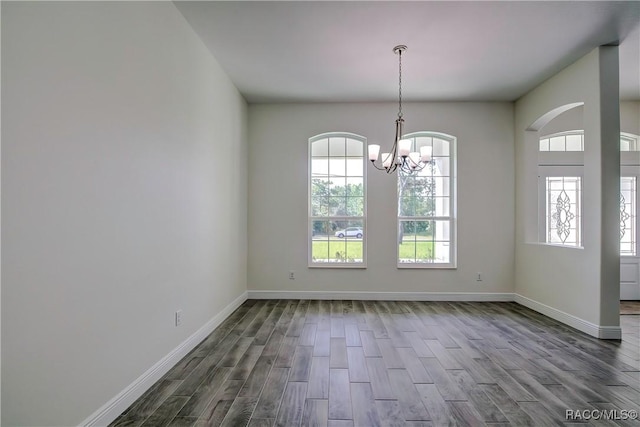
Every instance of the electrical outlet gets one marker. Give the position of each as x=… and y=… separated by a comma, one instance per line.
x=292, y=275
x=479, y=278
x=178, y=317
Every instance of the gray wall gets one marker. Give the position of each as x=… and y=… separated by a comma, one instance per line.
x=580, y=283
x=278, y=188
x=123, y=199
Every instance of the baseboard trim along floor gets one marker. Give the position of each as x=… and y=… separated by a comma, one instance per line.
x=288, y=362
x=113, y=408
x=604, y=332
x=383, y=296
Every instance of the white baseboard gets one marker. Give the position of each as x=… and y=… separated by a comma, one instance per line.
x=610, y=332
x=118, y=404
x=603, y=332
x=113, y=408
x=383, y=296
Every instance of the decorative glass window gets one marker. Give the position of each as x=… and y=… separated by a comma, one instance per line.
x=562, y=194
x=337, y=201
x=563, y=210
x=426, y=201
x=628, y=224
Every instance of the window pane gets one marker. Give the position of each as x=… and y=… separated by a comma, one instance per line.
x=440, y=147
x=628, y=216
x=320, y=148
x=441, y=186
x=441, y=252
x=421, y=142
x=346, y=243
x=406, y=206
x=624, y=145
x=355, y=206
x=574, y=143
x=354, y=148
x=556, y=143
x=442, y=206
x=544, y=144
x=319, y=206
x=333, y=248
x=416, y=242
x=407, y=242
x=442, y=230
x=424, y=187
x=406, y=185
x=319, y=166
x=629, y=143
x=353, y=251
x=337, y=206
x=337, y=166
x=355, y=167
x=320, y=241
x=319, y=187
x=441, y=167
x=337, y=147
x=423, y=206
x=563, y=210
x=338, y=187
x=355, y=186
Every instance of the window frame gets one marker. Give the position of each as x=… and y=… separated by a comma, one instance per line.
x=452, y=218
x=631, y=171
x=554, y=171
x=311, y=218
x=571, y=164
x=632, y=140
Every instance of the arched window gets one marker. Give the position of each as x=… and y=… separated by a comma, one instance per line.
x=426, y=206
x=337, y=200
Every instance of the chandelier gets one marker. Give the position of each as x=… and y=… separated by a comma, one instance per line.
x=400, y=156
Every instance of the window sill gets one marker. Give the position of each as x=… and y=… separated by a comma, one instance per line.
x=339, y=265
x=425, y=266
x=553, y=245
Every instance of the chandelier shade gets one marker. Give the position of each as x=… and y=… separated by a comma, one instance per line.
x=400, y=156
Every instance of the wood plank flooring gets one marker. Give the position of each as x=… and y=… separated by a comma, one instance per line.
x=385, y=363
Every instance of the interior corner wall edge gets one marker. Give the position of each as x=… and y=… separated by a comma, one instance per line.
x=565, y=279
x=124, y=193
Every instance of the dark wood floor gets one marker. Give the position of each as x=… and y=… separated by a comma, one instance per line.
x=365, y=363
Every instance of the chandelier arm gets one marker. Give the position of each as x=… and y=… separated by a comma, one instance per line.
x=393, y=160
x=377, y=167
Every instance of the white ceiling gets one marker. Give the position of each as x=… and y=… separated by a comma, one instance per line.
x=318, y=51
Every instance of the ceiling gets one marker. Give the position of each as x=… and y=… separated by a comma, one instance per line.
x=326, y=51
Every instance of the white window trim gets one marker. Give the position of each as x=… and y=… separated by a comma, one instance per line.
x=571, y=163
x=453, y=246
x=551, y=171
x=338, y=265
x=633, y=171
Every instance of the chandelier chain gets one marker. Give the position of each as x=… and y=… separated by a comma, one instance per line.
x=400, y=84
